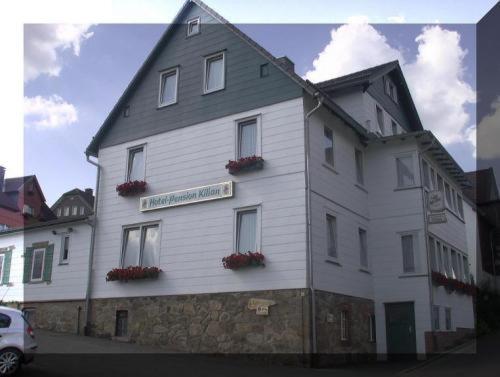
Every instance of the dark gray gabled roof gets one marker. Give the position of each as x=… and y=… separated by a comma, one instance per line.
x=367, y=77
x=45, y=224
x=88, y=198
x=307, y=86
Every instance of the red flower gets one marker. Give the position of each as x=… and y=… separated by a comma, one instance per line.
x=451, y=284
x=132, y=273
x=238, y=260
x=244, y=163
x=131, y=188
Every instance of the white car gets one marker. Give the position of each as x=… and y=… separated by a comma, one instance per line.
x=17, y=341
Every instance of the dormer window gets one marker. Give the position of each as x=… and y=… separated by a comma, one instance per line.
x=390, y=90
x=168, y=87
x=193, y=27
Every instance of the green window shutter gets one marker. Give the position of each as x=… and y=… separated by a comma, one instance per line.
x=47, y=267
x=28, y=258
x=6, y=267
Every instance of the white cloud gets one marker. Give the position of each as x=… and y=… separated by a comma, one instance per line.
x=51, y=112
x=43, y=44
x=488, y=133
x=435, y=77
x=399, y=19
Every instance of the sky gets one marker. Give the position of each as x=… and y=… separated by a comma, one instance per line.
x=75, y=73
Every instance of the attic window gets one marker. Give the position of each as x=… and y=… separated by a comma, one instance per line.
x=193, y=27
x=390, y=90
x=126, y=111
x=264, y=70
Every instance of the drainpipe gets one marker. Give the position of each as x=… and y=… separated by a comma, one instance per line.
x=91, y=251
x=308, y=227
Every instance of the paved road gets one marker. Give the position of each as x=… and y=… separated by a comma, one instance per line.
x=62, y=355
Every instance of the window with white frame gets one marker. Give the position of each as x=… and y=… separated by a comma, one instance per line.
x=74, y=211
x=214, y=77
x=408, y=249
x=390, y=89
x=66, y=211
x=405, y=171
x=426, y=175
x=248, y=138
x=447, y=318
x=169, y=80
x=65, y=249
x=328, y=145
x=380, y=119
x=82, y=210
x=344, y=325
x=246, y=230
x=454, y=263
x=363, y=248
x=454, y=200
x=135, y=166
x=331, y=233
x=460, y=205
x=447, y=264
x=193, y=27
x=37, y=264
x=447, y=191
x=141, y=246
x=436, y=323
x=358, y=155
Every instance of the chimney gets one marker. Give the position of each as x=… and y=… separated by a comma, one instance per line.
x=2, y=177
x=89, y=191
x=286, y=63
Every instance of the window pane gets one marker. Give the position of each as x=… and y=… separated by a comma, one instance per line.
x=454, y=262
x=448, y=194
x=36, y=273
x=380, y=120
x=65, y=248
x=405, y=171
x=454, y=199
x=359, y=166
x=168, y=88
x=460, y=206
x=136, y=165
x=328, y=145
x=363, y=248
x=446, y=258
x=75, y=211
x=331, y=223
x=82, y=210
x=247, y=231
x=408, y=257
x=66, y=211
x=215, y=73
x=131, y=247
x=151, y=246
x=193, y=27
x=248, y=138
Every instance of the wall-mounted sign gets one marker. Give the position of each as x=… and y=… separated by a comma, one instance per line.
x=183, y=197
x=436, y=218
x=436, y=201
x=260, y=305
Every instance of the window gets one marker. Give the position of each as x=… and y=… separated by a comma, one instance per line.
x=408, y=247
x=454, y=199
x=380, y=119
x=168, y=87
x=433, y=179
x=135, y=169
x=363, y=248
x=446, y=258
x=405, y=171
x=141, y=246
x=246, y=230
x=466, y=270
x=65, y=249
x=264, y=70
x=344, y=325
x=460, y=204
x=121, y=327
x=59, y=212
x=435, y=317
x=448, y=194
x=37, y=264
x=359, y=166
x=427, y=178
x=440, y=185
x=394, y=127
x=439, y=257
x=82, y=210
x=328, y=145
x=331, y=229
x=193, y=27
x=27, y=209
x=390, y=89
x=247, y=138
x=66, y=211
x=2, y=258
x=432, y=254
x=214, y=73
x=75, y=211
x=454, y=262
x=4, y=321
x=126, y=111
x=373, y=328
x=447, y=318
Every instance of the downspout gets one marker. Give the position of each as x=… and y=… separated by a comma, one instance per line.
x=91, y=251
x=310, y=280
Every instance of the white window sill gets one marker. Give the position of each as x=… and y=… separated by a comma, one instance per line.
x=332, y=260
x=213, y=91
x=361, y=187
x=365, y=270
x=329, y=167
x=166, y=105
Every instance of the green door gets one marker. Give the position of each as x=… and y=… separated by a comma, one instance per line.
x=400, y=329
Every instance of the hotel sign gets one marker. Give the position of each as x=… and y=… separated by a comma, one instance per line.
x=183, y=197
x=436, y=201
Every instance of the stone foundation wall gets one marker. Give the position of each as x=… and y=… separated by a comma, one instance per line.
x=59, y=316
x=328, y=309
x=440, y=341
x=210, y=323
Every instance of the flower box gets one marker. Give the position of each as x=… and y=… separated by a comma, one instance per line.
x=451, y=284
x=133, y=273
x=131, y=188
x=245, y=164
x=236, y=261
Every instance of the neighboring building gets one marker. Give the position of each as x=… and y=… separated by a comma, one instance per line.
x=484, y=226
x=74, y=203
x=21, y=202
x=338, y=207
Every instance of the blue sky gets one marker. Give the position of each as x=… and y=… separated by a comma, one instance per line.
x=92, y=80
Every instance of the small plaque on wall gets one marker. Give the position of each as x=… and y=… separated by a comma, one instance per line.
x=261, y=306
